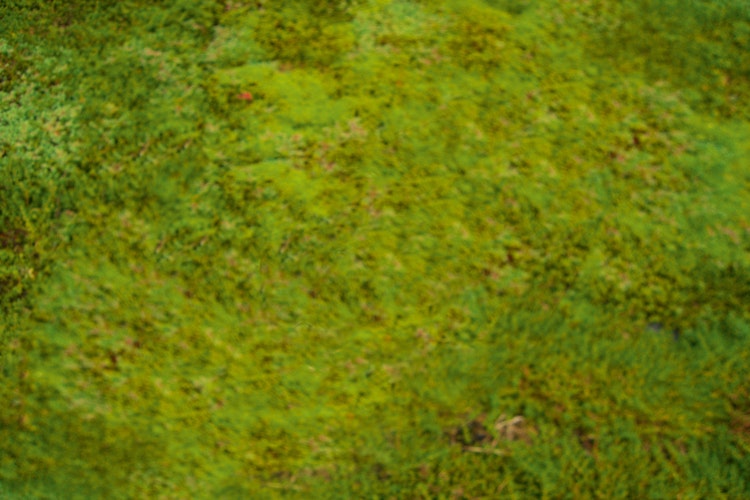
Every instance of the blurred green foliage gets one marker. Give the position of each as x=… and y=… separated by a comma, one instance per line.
x=374, y=249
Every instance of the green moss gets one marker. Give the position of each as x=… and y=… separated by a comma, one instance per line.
x=373, y=249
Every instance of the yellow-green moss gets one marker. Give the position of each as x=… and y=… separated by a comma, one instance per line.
x=387, y=249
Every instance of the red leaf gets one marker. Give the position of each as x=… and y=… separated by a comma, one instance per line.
x=245, y=96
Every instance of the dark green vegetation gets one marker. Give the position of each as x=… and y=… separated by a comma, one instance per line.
x=375, y=249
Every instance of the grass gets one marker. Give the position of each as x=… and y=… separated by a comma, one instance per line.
x=384, y=249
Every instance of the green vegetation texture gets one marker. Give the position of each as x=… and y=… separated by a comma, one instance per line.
x=374, y=249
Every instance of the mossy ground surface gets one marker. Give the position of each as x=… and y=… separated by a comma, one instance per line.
x=375, y=249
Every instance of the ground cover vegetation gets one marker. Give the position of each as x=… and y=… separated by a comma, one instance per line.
x=375, y=249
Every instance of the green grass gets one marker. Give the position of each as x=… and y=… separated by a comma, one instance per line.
x=374, y=249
